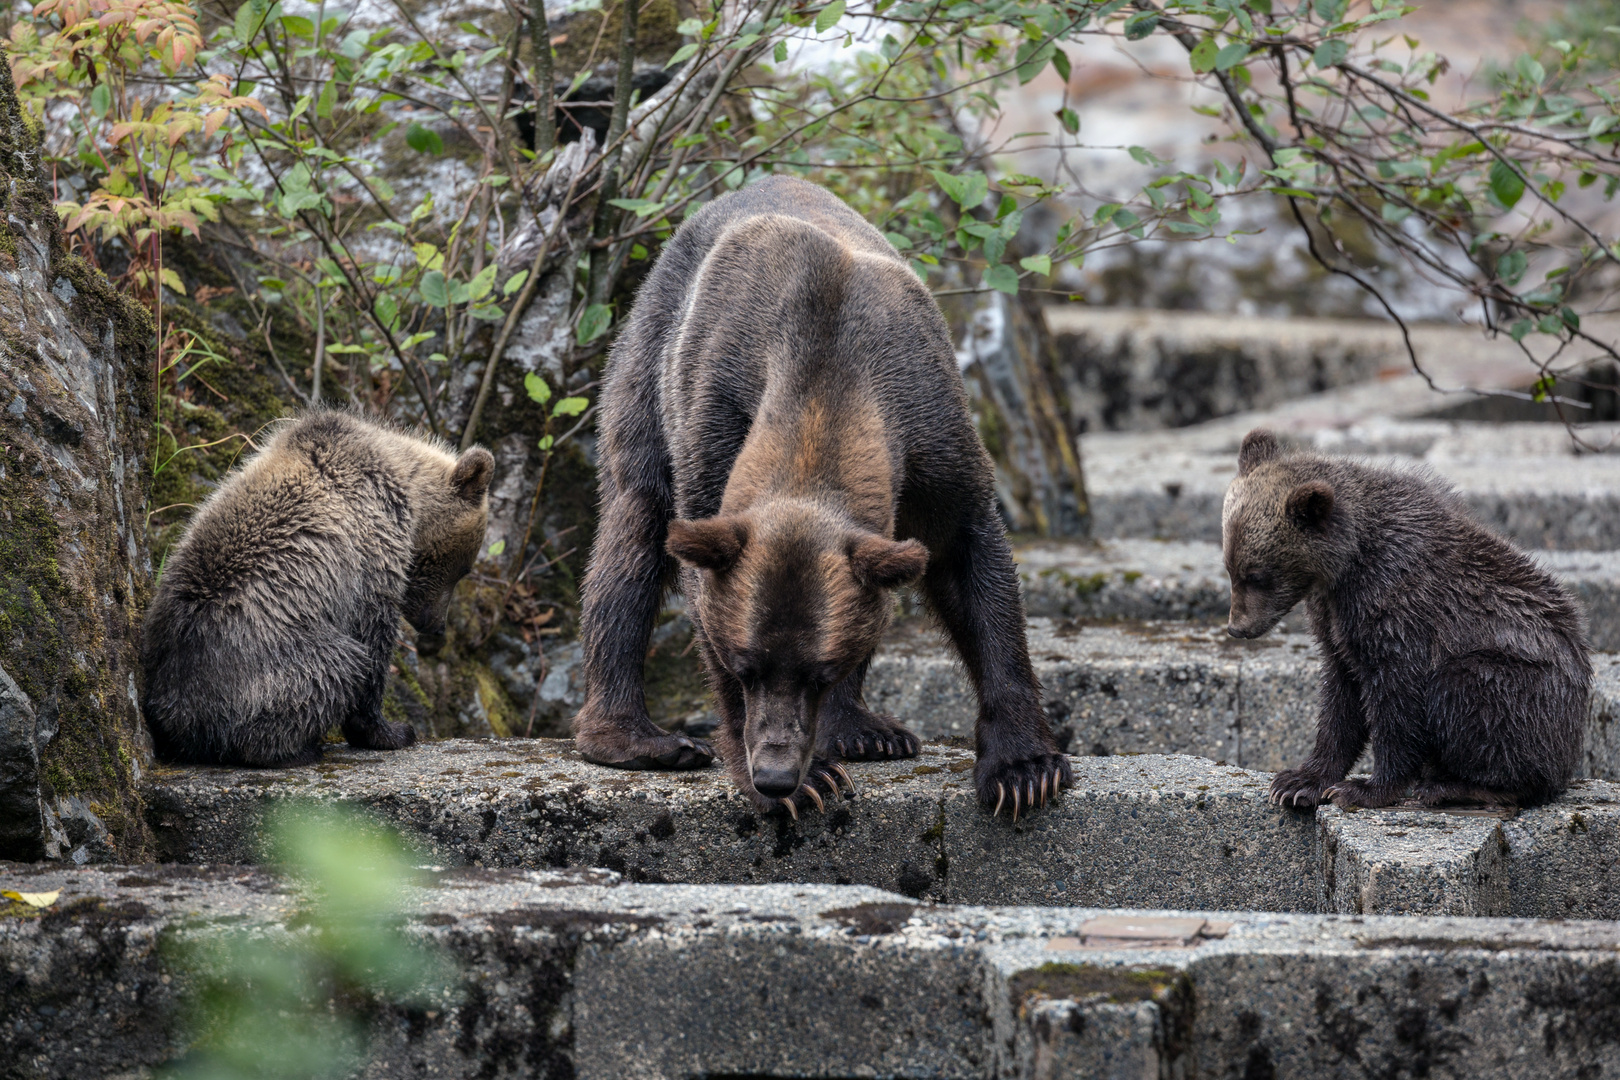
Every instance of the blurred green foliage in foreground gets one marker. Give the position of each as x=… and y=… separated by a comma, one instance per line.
x=294, y=1001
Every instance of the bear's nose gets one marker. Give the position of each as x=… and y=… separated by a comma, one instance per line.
x=428, y=643
x=776, y=783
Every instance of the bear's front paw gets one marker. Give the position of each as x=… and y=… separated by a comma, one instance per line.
x=1020, y=785
x=823, y=780
x=381, y=735
x=1350, y=794
x=1297, y=789
x=663, y=751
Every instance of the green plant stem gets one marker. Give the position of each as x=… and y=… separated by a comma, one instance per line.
x=601, y=281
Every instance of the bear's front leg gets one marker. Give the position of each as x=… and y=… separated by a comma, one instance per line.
x=365, y=727
x=972, y=585
x=622, y=592
x=846, y=729
x=1395, y=713
x=1341, y=733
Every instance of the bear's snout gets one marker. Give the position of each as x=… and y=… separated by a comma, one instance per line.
x=776, y=783
x=429, y=642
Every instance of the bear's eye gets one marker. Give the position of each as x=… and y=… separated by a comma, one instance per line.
x=744, y=667
x=1258, y=579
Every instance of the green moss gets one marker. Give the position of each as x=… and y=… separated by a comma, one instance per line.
x=1088, y=980
x=1082, y=585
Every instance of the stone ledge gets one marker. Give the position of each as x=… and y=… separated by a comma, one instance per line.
x=1186, y=581
x=605, y=979
x=1164, y=688
x=1145, y=831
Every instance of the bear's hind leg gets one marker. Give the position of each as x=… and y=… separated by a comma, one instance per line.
x=1440, y=792
x=847, y=730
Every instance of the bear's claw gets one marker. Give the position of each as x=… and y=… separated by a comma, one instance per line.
x=668, y=751
x=1047, y=774
x=1297, y=789
x=824, y=773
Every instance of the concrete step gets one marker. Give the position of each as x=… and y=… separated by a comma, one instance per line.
x=1145, y=831
x=1522, y=480
x=581, y=974
x=1186, y=581
x=1163, y=688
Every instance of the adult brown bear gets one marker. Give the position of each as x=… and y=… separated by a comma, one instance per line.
x=783, y=414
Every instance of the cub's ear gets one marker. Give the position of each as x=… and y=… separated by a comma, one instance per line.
x=709, y=544
x=886, y=564
x=1310, y=505
x=1258, y=445
x=471, y=475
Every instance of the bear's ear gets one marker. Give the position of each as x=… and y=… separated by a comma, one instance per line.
x=1258, y=445
x=1310, y=505
x=886, y=564
x=471, y=475
x=709, y=544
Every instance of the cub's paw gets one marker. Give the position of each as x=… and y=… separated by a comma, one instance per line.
x=382, y=735
x=1297, y=789
x=1350, y=794
x=1020, y=785
x=823, y=781
x=645, y=752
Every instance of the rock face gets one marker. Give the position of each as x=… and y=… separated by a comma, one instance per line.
x=75, y=420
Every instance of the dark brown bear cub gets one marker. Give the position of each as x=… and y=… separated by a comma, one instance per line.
x=278, y=611
x=1461, y=661
x=783, y=414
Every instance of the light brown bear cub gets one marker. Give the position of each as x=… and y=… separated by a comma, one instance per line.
x=1462, y=662
x=278, y=611
x=785, y=421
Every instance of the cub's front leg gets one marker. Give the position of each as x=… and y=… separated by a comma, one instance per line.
x=972, y=586
x=1341, y=734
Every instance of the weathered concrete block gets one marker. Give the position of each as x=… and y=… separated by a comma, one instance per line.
x=1177, y=829
x=1146, y=688
x=1413, y=862
x=1136, y=830
x=583, y=975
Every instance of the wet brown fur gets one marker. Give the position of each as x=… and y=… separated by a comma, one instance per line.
x=1462, y=662
x=784, y=422
x=277, y=614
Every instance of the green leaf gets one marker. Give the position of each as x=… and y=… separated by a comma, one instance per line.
x=1520, y=329
x=299, y=26
x=828, y=17
x=1511, y=267
x=1143, y=156
x=481, y=285
x=537, y=388
x=690, y=27
x=780, y=54
x=1202, y=58
x=546, y=441
x=249, y=20
x=1140, y=25
x=435, y=290
x=514, y=283
x=172, y=280
x=1002, y=278
x=423, y=140
x=1506, y=184
x=967, y=190
x=1230, y=56
x=593, y=323
x=328, y=98
x=1069, y=119
x=1531, y=69
x=496, y=548
x=100, y=100
x=640, y=207
x=570, y=406
x=684, y=53
x=1330, y=53
x=1040, y=264
x=1060, y=63
x=386, y=309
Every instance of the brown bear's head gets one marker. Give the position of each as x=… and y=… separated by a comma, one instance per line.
x=1278, y=533
x=793, y=597
x=452, y=516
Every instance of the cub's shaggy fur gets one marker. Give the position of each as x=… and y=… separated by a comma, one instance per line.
x=783, y=414
x=1462, y=662
x=278, y=611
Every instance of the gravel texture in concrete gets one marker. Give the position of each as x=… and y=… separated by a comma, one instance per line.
x=581, y=974
x=1143, y=830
